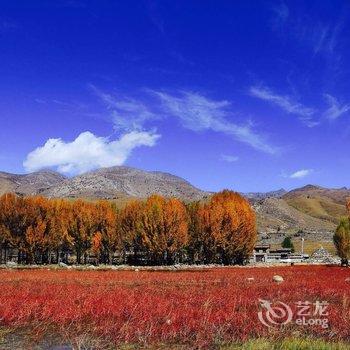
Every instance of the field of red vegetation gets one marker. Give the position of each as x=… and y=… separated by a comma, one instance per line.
x=187, y=307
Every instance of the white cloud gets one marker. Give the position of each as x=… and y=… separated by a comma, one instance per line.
x=199, y=113
x=195, y=112
x=127, y=113
x=335, y=110
x=286, y=103
x=301, y=173
x=87, y=152
x=229, y=158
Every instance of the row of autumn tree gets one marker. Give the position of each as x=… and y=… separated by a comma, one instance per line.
x=341, y=238
x=157, y=230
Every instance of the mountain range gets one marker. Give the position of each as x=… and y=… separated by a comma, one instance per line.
x=107, y=183
x=309, y=208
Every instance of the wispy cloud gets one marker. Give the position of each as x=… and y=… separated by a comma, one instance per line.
x=8, y=25
x=127, y=113
x=229, y=158
x=322, y=40
x=280, y=15
x=87, y=152
x=70, y=4
x=286, y=103
x=195, y=112
x=300, y=174
x=335, y=109
x=321, y=36
x=40, y=101
x=154, y=15
x=199, y=113
x=179, y=57
x=63, y=106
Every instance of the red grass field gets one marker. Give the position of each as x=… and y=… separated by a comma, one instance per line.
x=199, y=308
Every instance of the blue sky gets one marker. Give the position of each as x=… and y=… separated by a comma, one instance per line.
x=247, y=95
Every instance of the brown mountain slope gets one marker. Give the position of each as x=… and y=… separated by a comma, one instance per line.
x=275, y=214
x=318, y=202
x=29, y=184
x=121, y=182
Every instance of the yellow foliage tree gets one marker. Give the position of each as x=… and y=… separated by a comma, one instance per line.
x=163, y=229
x=227, y=229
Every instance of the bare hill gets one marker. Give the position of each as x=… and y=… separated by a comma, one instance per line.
x=118, y=182
x=29, y=184
x=261, y=195
x=274, y=214
x=318, y=202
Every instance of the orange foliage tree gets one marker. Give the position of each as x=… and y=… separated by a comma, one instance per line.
x=107, y=225
x=163, y=229
x=81, y=227
x=226, y=232
x=59, y=242
x=195, y=244
x=129, y=225
x=12, y=215
x=157, y=230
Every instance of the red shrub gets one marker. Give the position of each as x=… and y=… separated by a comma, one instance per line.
x=176, y=307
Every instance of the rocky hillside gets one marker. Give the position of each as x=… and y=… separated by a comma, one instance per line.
x=263, y=195
x=321, y=203
x=110, y=183
x=275, y=214
x=118, y=182
x=29, y=184
x=309, y=208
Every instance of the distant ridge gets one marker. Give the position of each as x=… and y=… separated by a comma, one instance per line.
x=109, y=183
x=327, y=204
x=29, y=184
x=262, y=195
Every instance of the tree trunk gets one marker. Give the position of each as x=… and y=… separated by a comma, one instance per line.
x=78, y=257
x=5, y=253
x=345, y=262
